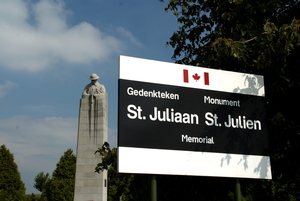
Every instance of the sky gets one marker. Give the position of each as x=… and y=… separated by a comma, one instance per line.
x=48, y=50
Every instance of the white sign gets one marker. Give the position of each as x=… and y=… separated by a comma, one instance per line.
x=184, y=120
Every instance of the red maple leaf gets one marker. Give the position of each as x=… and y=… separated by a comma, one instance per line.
x=196, y=77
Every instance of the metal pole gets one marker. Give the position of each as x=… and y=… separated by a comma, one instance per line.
x=153, y=188
x=237, y=194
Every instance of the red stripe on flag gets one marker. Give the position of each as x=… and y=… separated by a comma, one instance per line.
x=185, y=75
x=206, y=78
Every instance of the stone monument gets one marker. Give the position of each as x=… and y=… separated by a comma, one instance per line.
x=92, y=133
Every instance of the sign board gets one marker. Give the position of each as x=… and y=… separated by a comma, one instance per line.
x=184, y=120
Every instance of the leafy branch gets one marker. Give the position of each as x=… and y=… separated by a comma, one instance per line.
x=108, y=157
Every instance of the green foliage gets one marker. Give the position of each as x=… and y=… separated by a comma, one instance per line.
x=40, y=181
x=11, y=186
x=126, y=185
x=61, y=186
x=119, y=185
x=33, y=197
x=259, y=37
x=108, y=157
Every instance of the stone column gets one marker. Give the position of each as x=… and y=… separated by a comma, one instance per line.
x=92, y=133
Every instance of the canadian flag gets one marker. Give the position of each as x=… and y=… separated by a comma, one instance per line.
x=195, y=77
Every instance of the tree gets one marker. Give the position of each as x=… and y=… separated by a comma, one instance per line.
x=11, y=186
x=31, y=197
x=129, y=186
x=118, y=184
x=61, y=186
x=40, y=181
x=259, y=37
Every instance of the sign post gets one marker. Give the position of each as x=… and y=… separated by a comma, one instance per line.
x=237, y=193
x=153, y=188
